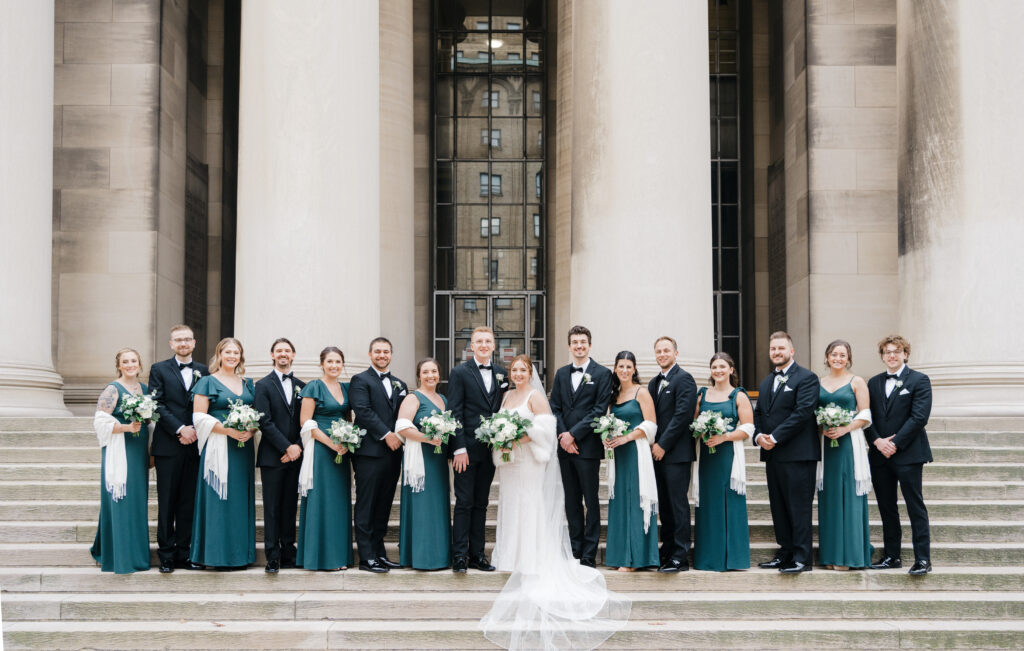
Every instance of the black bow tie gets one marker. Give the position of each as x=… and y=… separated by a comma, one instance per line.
x=664, y=376
x=892, y=376
x=287, y=376
x=485, y=367
x=385, y=376
x=187, y=365
x=778, y=372
x=577, y=369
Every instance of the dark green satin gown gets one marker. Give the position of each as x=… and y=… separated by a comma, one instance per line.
x=224, y=531
x=425, y=537
x=627, y=545
x=325, y=514
x=122, y=535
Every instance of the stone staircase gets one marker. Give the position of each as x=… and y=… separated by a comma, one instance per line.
x=54, y=597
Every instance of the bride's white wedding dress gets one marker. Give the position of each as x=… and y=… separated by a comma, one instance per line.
x=550, y=601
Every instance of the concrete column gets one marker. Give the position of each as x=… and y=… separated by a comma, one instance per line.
x=309, y=229
x=961, y=149
x=29, y=386
x=641, y=193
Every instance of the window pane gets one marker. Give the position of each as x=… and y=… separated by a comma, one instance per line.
x=727, y=96
x=445, y=261
x=730, y=183
x=535, y=139
x=443, y=138
x=473, y=53
x=511, y=175
x=535, y=96
x=469, y=219
x=470, y=268
x=536, y=316
x=509, y=316
x=534, y=269
x=729, y=133
x=511, y=130
x=730, y=270
x=511, y=89
x=730, y=226
x=730, y=315
x=507, y=52
x=472, y=95
x=534, y=225
x=535, y=177
x=472, y=12
x=504, y=11
x=467, y=180
x=441, y=316
x=443, y=179
x=444, y=100
x=446, y=53
x=442, y=349
x=469, y=143
x=445, y=225
x=511, y=220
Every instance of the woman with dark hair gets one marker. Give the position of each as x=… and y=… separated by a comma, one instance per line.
x=632, y=539
x=425, y=533
x=721, y=537
x=224, y=522
x=325, y=514
x=122, y=535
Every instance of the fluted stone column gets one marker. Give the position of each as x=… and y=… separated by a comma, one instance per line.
x=309, y=233
x=961, y=152
x=29, y=386
x=641, y=193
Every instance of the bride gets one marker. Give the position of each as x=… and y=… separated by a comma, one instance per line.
x=550, y=601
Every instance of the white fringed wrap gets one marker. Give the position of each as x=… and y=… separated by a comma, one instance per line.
x=115, y=458
x=308, y=446
x=861, y=468
x=414, y=473
x=215, y=463
x=738, y=473
x=645, y=471
x=542, y=437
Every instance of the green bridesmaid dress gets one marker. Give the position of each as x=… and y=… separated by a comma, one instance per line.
x=224, y=531
x=122, y=536
x=844, y=537
x=425, y=537
x=721, y=534
x=325, y=514
x=627, y=544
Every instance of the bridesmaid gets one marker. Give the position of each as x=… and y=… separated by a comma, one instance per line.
x=425, y=538
x=325, y=515
x=721, y=538
x=122, y=536
x=844, y=538
x=632, y=539
x=224, y=530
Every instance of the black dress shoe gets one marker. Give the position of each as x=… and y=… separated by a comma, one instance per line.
x=920, y=568
x=166, y=567
x=273, y=567
x=674, y=566
x=372, y=565
x=795, y=568
x=388, y=563
x=189, y=565
x=481, y=563
x=288, y=565
x=773, y=564
x=459, y=565
x=887, y=563
x=589, y=562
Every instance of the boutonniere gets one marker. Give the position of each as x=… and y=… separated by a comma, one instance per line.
x=899, y=383
x=396, y=385
x=500, y=377
x=586, y=379
x=783, y=379
x=662, y=385
x=297, y=390
x=196, y=375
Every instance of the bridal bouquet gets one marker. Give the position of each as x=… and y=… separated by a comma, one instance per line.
x=609, y=426
x=708, y=424
x=139, y=409
x=439, y=426
x=345, y=433
x=832, y=415
x=243, y=418
x=501, y=430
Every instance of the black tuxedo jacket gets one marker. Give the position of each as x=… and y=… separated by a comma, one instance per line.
x=575, y=411
x=674, y=406
x=789, y=416
x=904, y=413
x=469, y=401
x=174, y=403
x=375, y=412
x=280, y=421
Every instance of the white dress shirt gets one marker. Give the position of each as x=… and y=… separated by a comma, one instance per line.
x=578, y=377
x=186, y=373
x=386, y=381
x=487, y=375
x=286, y=384
x=663, y=377
x=890, y=383
x=775, y=386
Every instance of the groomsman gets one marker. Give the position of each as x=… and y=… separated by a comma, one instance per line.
x=675, y=399
x=277, y=398
x=581, y=392
x=376, y=395
x=901, y=402
x=787, y=434
x=475, y=390
x=175, y=451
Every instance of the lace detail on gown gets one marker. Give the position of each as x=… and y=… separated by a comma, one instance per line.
x=550, y=601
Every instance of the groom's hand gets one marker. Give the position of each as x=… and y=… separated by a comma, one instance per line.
x=657, y=452
x=568, y=443
x=460, y=462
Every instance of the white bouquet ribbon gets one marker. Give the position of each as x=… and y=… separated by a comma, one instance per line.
x=738, y=472
x=414, y=473
x=115, y=458
x=215, y=463
x=861, y=468
x=308, y=446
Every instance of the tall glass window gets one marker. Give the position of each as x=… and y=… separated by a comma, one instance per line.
x=488, y=152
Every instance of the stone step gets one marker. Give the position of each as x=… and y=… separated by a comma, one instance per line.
x=91, y=580
x=454, y=606
x=418, y=634
x=958, y=553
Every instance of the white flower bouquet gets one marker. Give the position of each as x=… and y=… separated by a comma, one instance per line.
x=439, y=426
x=710, y=423
x=832, y=415
x=139, y=409
x=243, y=418
x=345, y=433
x=609, y=426
x=502, y=430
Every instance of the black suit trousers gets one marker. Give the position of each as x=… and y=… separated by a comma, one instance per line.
x=791, y=496
x=472, y=494
x=280, y=502
x=884, y=478
x=176, y=498
x=580, y=481
x=674, y=507
x=376, y=481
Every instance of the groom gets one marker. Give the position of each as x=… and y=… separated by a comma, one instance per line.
x=581, y=392
x=475, y=390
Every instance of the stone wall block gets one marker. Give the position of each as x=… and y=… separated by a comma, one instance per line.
x=81, y=251
x=136, y=11
x=58, y=43
x=833, y=253
x=853, y=211
x=82, y=11
x=852, y=45
x=840, y=12
x=118, y=126
x=832, y=169
x=876, y=86
x=830, y=86
x=876, y=169
x=107, y=210
x=111, y=42
x=862, y=128
x=81, y=84
x=876, y=253
x=81, y=167
x=134, y=84
x=133, y=168
x=875, y=12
